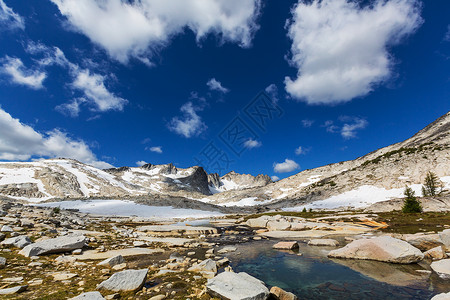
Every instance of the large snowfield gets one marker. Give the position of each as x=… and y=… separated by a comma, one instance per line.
x=129, y=208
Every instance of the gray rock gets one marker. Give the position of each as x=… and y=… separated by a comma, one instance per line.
x=6, y=228
x=128, y=280
x=112, y=261
x=2, y=262
x=323, y=242
x=208, y=265
x=18, y=241
x=237, y=286
x=442, y=296
x=56, y=245
x=13, y=290
x=281, y=294
x=442, y=267
x=422, y=241
x=436, y=253
x=277, y=225
x=89, y=296
x=445, y=238
x=260, y=222
x=384, y=248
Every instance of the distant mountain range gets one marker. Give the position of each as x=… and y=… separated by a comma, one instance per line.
x=377, y=176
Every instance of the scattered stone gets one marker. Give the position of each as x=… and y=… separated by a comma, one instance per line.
x=436, y=253
x=384, y=248
x=60, y=276
x=260, y=222
x=280, y=294
x=56, y=245
x=89, y=296
x=65, y=259
x=119, y=267
x=208, y=265
x=112, y=261
x=222, y=262
x=286, y=245
x=13, y=290
x=128, y=280
x=18, y=241
x=227, y=249
x=139, y=244
x=323, y=242
x=77, y=251
x=112, y=296
x=442, y=268
x=229, y=285
x=423, y=241
x=158, y=297
x=278, y=225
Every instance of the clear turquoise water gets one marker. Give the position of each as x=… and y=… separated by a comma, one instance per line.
x=314, y=276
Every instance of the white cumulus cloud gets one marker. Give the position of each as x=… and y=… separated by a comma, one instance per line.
x=141, y=163
x=215, y=85
x=340, y=47
x=9, y=19
x=19, y=74
x=287, y=166
x=251, y=143
x=139, y=28
x=157, y=149
x=190, y=124
x=19, y=141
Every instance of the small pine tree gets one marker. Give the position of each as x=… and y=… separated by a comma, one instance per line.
x=411, y=204
x=304, y=210
x=431, y=185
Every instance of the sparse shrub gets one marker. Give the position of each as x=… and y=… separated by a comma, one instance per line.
x=432, y=185
x=411, y=204
x=56, y=210
x=310, y=210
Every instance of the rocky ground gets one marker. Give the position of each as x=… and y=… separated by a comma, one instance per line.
x=58, y=254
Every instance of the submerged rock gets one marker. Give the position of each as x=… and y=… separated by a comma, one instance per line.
x=442, y=267
x=237, y=286
x=280, y=294
x=56, y=245
x=286, y=245
x=89, y=296
x=128, y=280
x=384, y=248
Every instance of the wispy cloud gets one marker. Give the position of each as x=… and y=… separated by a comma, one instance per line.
x=352, y=125
x=19, y=74
x=215, y=85
x=141, y=163
x=190, y=124
x=157, y=149
x=307, y=123
x=9, y=19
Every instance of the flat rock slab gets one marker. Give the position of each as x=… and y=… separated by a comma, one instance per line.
x=56, y=245
x=178, y=229
x=13, y=290
x=168, y=240
x=94, y=255
x=89, y=296
x=384, y=248
x=323, y=242
x=128, y=280
x=286, y=245
x=237, y=286
x=442, y=267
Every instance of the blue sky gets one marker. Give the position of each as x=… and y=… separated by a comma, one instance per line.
x=114, y=83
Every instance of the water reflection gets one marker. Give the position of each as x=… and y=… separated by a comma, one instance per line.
x=314, y=276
